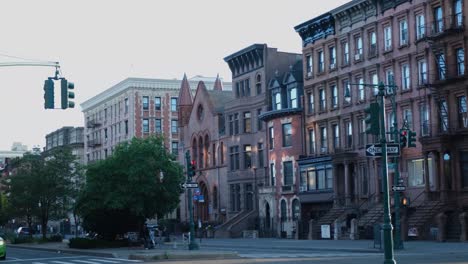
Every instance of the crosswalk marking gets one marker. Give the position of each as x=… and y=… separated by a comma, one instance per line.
x=61, y=262
x=105, y=260
x=84, y=261
x=38, y=263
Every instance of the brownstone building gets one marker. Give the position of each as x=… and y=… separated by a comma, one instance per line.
x=419, y=47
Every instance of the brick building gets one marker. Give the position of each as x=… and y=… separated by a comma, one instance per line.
x=418, y=46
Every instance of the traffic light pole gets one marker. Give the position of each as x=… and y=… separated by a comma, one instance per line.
x=387, y=226
x=192, y=243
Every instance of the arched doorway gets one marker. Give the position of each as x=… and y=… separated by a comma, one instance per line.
x=202, y=205
x=267, y=216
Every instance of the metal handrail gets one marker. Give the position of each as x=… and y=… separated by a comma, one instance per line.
x=365, y=202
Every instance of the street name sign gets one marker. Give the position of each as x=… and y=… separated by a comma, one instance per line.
x=375, y=150
x=190, y=185
x=398, y=188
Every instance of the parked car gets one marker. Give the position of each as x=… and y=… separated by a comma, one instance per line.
x=2, y=249
x=23, y=231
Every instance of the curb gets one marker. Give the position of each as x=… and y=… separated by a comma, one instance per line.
x=350, y=250
x=68, y=251
x=174, y=256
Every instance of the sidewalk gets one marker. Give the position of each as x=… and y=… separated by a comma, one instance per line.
x=226, y=248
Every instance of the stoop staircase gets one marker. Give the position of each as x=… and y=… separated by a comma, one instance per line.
x=423, y=215
x=234, y=226
x=373, y=216
x=327, y=219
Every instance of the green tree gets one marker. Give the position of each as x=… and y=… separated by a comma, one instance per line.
x=41, y=185
x=126, y=188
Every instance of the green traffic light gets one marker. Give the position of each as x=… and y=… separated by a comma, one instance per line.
x=372, y=119
x=412, y=139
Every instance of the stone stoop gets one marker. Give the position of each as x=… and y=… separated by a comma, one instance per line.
x=423, y=215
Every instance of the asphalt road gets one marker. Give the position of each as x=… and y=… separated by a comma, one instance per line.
x=26, y=256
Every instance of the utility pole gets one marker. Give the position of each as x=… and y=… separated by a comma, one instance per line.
x=387, y=225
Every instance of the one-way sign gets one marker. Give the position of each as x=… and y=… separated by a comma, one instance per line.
x=375, y=150
x=398, y=188
x=190, y=185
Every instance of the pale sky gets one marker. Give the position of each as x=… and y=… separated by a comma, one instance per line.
x=101, y=42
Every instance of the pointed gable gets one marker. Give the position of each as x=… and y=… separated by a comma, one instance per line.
x=218, y=86
x=185, y=95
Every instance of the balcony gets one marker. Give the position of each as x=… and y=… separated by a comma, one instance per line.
x=93, y=123
x=445, y=26
x=94, y=143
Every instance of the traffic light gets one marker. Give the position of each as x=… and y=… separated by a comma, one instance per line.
x=403, y=138
x=372, y=119
x=65, y=86
x=412, y=139
x=193, y=167
x=48, y=94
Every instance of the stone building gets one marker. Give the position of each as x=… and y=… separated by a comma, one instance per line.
x=202, y=135
x=67, y=136
x=419, y=47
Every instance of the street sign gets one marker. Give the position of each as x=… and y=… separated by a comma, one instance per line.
x=190, y=185
x=375, y=150
x=201, y=199
x=398, y=188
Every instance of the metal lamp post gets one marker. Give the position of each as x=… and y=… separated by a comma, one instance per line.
x=192, y=243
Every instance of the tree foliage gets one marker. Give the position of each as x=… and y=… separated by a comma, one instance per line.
x=125, y=189
x=41, y=185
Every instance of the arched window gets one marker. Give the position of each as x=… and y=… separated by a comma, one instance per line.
x=284, y=213
x=200, y=152
x=206, y=150
x=194, y=150
x=296, y=209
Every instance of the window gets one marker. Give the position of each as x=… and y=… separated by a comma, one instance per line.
x=271, y=139
x=416, y=171
x=247, y=123
x=362, y=94
x=403, y=32
x=231, y=125
x=287, y=135
x=296, y=210
x=334, y=92
x=358, y=43
x=317, y=178
x=332, y=58
x=105, y=132
x=323, y=138
x=157, y=126
x=174, y=124
x=145, y=126
x=175, y=148
x=462, y=112
x=126, y=105
x=422, y=72
x=174, y=104
x=349, y=134
x=260, y=158
x=438, y=20
x=311, y=141
x=247, y=87
x=347, y=92
x=336, y=136
x=126, y=127
x=464, y=168
x=322, y=100
x=234, y=157
x=311, y=103
x=247, y=156
x=258, y=84
x=420, y=26
x=284, y=213
x=320, y=61
x=460, y=61
x=237, y=90
x=362, y=131
x=388, y=38
x=405, y=77
x=309, y=65
x=458, y=13
x=346, y=53
x=441, y=66
x=145, y=102
x=292, y=94
x=389, y=77
x=408, y=117
x=157, y=103
x=288, y=173
x=236, y=123
x=221, y=153
x=443, y=116
x=277, y=100
x=375, y=82
x=272, y=174
x=259, y=121
x=242, y=90
x=372, y=43
x=423, y=111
